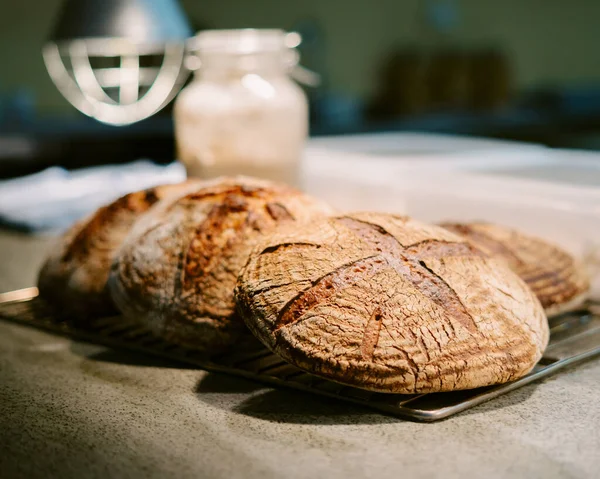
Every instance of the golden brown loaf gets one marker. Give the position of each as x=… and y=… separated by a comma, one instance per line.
x=390, y=304
x=177, y=269
x=558, y=280
x=74, y=275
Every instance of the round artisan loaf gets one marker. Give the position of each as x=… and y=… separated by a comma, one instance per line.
x=560, y=282
x=177, y=270
x=389, y=304
x=74, y=276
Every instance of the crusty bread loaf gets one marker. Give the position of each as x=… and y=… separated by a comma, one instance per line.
x=560, y=282
x=389, y=304
x=177, y=269
x=74, y=276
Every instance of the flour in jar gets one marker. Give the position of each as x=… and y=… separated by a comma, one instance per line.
x=236, y=119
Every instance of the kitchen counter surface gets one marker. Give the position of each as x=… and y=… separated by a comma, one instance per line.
x=73, y=410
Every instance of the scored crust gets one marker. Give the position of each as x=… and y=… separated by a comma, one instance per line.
x=74, y=275
x=559, y=281
x=389, y=304
x=177, y=269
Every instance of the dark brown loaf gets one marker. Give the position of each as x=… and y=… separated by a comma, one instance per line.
x=390, y=304
x=74, y=276
x=177, y=269
x=559, y=281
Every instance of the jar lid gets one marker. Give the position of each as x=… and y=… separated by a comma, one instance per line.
x=244, y=41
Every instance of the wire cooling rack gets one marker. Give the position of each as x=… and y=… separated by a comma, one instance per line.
x=574, y=337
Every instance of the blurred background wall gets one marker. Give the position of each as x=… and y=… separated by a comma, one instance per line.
x=549, y=42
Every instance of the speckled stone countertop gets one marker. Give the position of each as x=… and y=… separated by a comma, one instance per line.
x=74, y=410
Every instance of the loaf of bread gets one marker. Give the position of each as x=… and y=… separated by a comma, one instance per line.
x=389, y=304
x=560, y=282
x=177, y=269
x=74, y=276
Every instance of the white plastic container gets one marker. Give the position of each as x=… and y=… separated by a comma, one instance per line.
x=486, y=186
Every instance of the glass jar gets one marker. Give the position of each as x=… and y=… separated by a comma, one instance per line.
x=242, y=114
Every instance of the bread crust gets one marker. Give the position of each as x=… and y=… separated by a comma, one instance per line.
x=560, y=282
x=177, y=269
x=389, y=304
x=74, y=276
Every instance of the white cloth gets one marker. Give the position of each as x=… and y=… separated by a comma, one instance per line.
x=54, y=198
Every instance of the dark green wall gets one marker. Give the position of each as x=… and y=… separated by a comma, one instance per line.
x=551, y=41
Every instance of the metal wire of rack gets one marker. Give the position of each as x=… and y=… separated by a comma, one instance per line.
x=574, y=337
